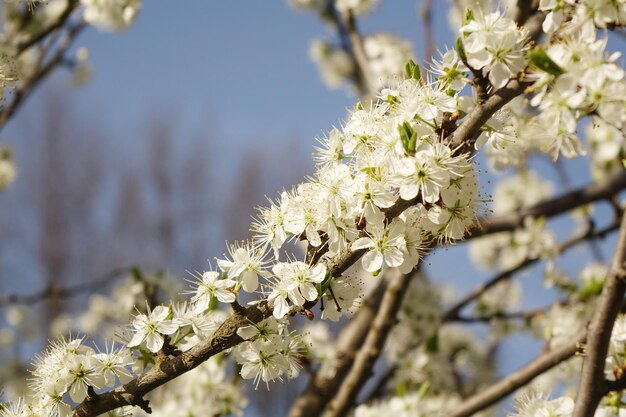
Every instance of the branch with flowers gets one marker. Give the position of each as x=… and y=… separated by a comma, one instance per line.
x=396, y=181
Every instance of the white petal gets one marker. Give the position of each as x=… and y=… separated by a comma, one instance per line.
x=167, y=327
x=249, y=281
x=154, y=342
x=394, y=257
x=137, y=339
x=362, y=243
x=372, y=261
x=281, y=307
x=78, y=392
x=159, y=313
x=225, y=296
x=308, y=290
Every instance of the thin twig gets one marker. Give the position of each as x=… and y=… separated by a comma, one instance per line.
x=67, y=292
x=427, y=22
x=568, y=201
x=502, y=315
x=517, y=379
x=352, y=43
x=57, y=24
x=42, y=72
x=452, y=314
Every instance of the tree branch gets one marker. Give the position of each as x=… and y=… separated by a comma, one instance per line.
x=57, y=24
x=517, y=379
x=466, y=134
x=226, y=336
x=320, y=389
x=592, y=385
x=452, y=314
x=568, y=201
x=353, y=44
x=372, y=347
x=34, y=79
x=53, y=292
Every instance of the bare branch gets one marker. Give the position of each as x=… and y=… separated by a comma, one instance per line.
x=427, y=20
x=467, y=133
x=592, y=385
x=353, y=44
x=57, y=24
x=517, y=379
x=42, y=72
x=524, y=10
x=562, y=204
x=372, y=347
x=452, y=314
x=53, y=292
x=320, y=389
x=501, y=315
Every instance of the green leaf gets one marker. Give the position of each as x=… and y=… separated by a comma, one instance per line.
x=413, y=70
x=541, y=60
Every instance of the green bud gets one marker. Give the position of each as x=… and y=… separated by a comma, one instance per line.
x=468, y=16
x=408, y=137
x=540, y=59
x=591, y=289
x=413, y=70
x=460, y=49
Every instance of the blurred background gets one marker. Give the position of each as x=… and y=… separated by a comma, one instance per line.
x=190, y=118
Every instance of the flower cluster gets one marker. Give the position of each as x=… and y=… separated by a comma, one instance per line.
x=70, y=368
x=111, y=15
x=207, y=391
x=615, y=367
x=410, y=405
x=494, y=44
x=575, y=78
x=269, y=351
x=539, y=404
x=386, y=56
x=506, y=250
